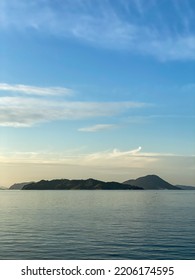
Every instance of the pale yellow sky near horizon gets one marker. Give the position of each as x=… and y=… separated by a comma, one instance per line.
x=112, y=165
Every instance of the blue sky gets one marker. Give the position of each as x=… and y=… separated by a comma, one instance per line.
x=101, y=89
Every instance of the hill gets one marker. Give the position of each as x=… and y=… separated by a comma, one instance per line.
x=186, y=187
x=3, y=188
x=19, y=186
x=89, y=184
x=151, y=182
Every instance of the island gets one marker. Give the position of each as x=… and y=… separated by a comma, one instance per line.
x=88, y=184
x=148, y=182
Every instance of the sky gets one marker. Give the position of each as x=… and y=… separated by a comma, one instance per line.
x=100, y=89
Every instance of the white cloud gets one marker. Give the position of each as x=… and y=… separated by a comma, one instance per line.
x=34, y=90
x=97, y=127
x=105, y=159
x=27, y=111
x=118, y=153
x=144, y=119
x=115, y=157
x=107, y=27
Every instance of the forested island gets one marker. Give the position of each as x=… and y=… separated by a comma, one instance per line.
x=149, y=182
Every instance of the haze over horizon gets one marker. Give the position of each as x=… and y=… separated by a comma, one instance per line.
x=102, y=89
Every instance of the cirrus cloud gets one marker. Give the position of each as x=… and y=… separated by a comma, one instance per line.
x=34, y=90
x=121, y=25
x=22, y=111
x=97, y=127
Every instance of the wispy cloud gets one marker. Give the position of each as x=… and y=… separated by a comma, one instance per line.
x=149, y=118
x=114, y=158
x=117, y=153
x=97, y=127
x=34, y=90
x=106, y=26
x=22, y=111
x=130, y=158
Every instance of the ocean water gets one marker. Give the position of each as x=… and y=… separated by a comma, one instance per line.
x=97, y=225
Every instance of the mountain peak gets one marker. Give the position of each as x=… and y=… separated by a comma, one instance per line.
x=151, y=182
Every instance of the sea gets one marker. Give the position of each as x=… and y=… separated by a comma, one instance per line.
x=97, y=225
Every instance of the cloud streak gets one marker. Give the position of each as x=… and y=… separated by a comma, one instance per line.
x=128, y=158
x=97, y=127
x=105, y=159
x=162, y=37
x=34, y=90
x=27, y=111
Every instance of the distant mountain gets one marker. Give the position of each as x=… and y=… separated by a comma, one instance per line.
x=19, y=186
x=3, y=188
x=185, y=187
x=89, y=184
x=151, y=182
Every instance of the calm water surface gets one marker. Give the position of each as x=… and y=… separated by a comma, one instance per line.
x=97, y=224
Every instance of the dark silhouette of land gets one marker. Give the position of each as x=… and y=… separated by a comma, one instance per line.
x=152, y=182
x=89, y=184
x=149, y=182
x=19, y=186
x=186, y=187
